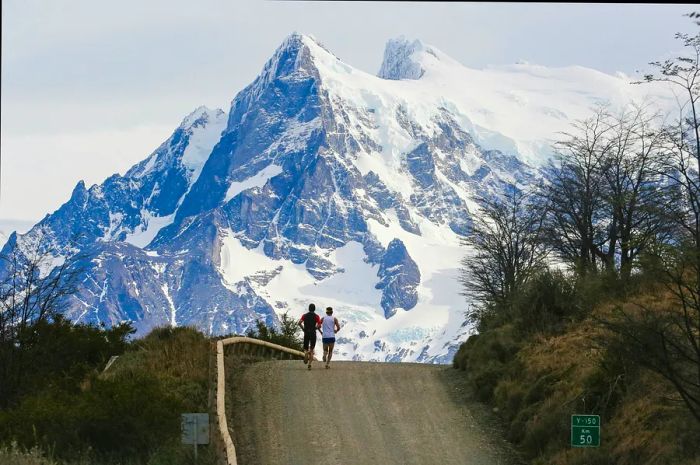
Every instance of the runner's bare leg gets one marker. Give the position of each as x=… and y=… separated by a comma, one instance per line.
x=330, y=354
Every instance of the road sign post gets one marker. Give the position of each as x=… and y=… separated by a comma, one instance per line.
x=585, y=430
x=194, y=429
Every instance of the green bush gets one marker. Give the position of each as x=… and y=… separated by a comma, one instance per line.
x=486, y=359
x=118, y=418
x=287, y=335
x=177, y=357
x=63, y=354
x=128, y=415
x=547, y=304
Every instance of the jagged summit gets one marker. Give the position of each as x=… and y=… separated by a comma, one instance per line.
x=406, y=59
x=201, y=115
x=322, y=184
x=296, y=54
x=303, y=39
x=398, y=62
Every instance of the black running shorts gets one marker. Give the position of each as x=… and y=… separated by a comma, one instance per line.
x=310, y=340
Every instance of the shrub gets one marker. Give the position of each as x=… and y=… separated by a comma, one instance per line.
x=128, y=415
x=547, y=304
x=63, y=354
x=124, y=417
x=287, y=335
x=486, y=359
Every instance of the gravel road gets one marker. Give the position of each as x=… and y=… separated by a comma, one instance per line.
x=358, y=413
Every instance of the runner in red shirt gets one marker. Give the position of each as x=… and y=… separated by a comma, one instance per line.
x=310, y=323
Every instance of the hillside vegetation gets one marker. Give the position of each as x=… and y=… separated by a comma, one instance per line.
x=553, y=357
x=589, y=287
x=72, y=413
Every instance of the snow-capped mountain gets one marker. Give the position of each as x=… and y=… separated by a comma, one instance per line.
x=322, y=184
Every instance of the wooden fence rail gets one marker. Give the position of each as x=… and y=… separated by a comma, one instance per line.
x=262, y=346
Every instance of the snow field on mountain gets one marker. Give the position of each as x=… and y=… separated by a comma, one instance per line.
x=202, y=139
x=292, y=285
x=439, y=312
x=257, y=180
x=148, y=229
x=351, y=291
x=518, y=109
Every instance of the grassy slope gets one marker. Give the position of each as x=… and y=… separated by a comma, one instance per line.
x=536, y=383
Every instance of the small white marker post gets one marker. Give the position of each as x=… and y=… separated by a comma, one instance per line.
x=195, y=430
x=195, y=439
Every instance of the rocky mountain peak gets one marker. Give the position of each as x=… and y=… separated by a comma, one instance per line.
x=296, y=55
x=323, y=184
x=402, y=59
x=201, y=116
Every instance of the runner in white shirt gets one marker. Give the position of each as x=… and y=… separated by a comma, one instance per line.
x=329, y=326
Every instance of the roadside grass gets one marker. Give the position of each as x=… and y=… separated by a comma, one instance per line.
x=14, y=455
x=536, y=382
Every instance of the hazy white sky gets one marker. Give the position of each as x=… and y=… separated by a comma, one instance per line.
x=91, y=87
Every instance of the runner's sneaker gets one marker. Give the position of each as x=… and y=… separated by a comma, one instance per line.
x=328, y=365
x=309, y=366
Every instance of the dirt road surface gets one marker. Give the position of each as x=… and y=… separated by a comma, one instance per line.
x=358, y=413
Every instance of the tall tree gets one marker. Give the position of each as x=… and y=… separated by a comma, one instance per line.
x=635, y=198
x=506, y=240
x=603, y=194
x=576, y=223
x=669, y=338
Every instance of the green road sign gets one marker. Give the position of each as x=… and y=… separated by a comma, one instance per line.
x=585, y=430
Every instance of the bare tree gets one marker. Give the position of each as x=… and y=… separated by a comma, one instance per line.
x=506, y=239
x=682, y=149
x=31, y=293
x=633, y=192
x=603, y=196
x=575, y=192
x=666, y=339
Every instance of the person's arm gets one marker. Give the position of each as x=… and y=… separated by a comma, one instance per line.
x=301, y=323
x=318, y=324
x=337, y=325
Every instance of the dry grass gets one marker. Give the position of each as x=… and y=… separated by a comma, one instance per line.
x=13, y=455
x=169, y=352
x=179, y=357
x=644, y=422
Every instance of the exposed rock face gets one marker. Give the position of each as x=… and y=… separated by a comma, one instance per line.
x=315, y=186
x=399, y=279
x=399, y=62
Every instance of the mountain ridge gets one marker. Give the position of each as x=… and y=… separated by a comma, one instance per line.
x=322, y=183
